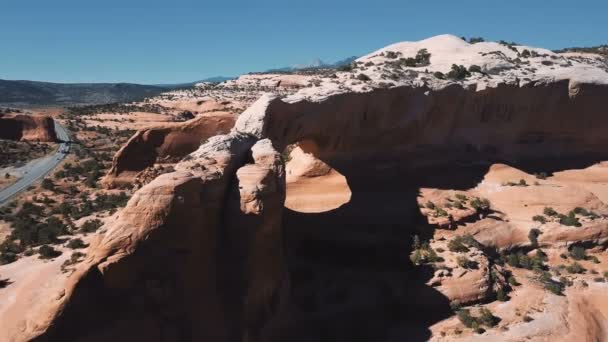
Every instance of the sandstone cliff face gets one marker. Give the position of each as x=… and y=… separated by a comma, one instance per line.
x=27, y=128
x=200, y=254
x=169, y=143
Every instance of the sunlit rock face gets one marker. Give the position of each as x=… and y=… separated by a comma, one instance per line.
x=297, y=224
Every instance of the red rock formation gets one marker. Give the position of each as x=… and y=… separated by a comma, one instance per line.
x=168, y=143
x=198, y=254
x=22, y=127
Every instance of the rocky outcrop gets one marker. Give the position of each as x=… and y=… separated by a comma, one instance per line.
x=168, y=143
x=21, y=127
x=193, y=256
x=198, y=253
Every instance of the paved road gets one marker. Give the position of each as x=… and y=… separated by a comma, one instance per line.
x=38, y=168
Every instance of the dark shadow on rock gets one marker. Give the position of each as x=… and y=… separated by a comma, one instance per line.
x=350, y=271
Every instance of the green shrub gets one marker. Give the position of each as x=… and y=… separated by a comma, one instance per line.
x=575, y=268
x=461, y=243
x=475, y=68
x=578, y=253
x=7, y=258
x=554, y=287
x=461, y=197
x=539, y=218
x=512, y=281
x=48, y=252
x=363, y=77
x=423, y=57
x=48, y=184
x=465, y=262
x=76, y=244
x=458, y=72
x=91, y=226
x=440, y=212
x=550, y=211
x=501, y=295
x=464, y=315
x=481, y=205
x=475, y=40
x=487, y=318
x=439, y=75
x=569, y=220
x=410, y=62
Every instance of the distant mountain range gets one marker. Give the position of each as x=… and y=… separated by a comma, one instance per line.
x=33, y=93
x=315, y=64
x=26, y=93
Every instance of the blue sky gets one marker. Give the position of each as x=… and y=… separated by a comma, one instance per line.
x=149, y=41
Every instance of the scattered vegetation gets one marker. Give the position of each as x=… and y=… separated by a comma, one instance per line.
x=48, y=252
x=486, y=318
x=423, y=253
x=539, y=218
x=462, y=243
x=458, y=72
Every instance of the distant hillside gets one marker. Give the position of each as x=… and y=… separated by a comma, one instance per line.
x=316, y=64
x=24, y=93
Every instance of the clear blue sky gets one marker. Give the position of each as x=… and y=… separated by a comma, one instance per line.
x=170, y=41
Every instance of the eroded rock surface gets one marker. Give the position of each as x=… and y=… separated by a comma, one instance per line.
x=208, y=251
x=20, y=127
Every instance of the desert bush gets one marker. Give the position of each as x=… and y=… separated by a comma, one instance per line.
x=475, y=40
x=475, y=68
x=461, y=197
x=512, y=281
x=439, y=75
x=465, y=317
x=458, y=72
x=48, y=184
x=91, y=226
x=391, y=54
x=539, y=218
x=487, y=318
x=578, y=253
x=430, y=205
x=409, y=62
x=363, y=77
x=48, y=252
x=550, y=211
x=525, y=53
x=76, y=244
x=467, y=263
x=423, y=57
x=461, y=243
x=569, y=220
x=479, y=204
x=575, y=268
x=501, y=295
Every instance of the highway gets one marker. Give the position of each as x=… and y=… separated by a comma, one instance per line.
x=38, y=168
